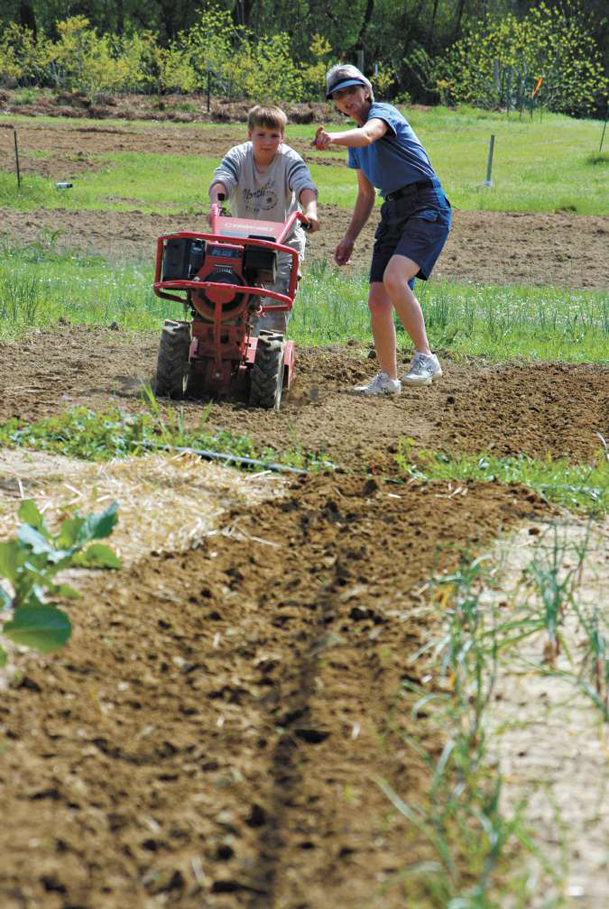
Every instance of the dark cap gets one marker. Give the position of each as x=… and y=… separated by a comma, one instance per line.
x=344, y=83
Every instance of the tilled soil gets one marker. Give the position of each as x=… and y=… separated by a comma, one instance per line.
x=537, y=409
x=215, y=731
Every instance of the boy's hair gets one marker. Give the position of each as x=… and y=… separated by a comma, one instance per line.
x=343, y=71
x=266, y=115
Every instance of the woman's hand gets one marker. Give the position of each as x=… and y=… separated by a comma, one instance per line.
x=342, y=253
x=322, y=139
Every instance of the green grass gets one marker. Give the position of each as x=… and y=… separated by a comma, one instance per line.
x=537, y=323
x=43, y=282
x=582, y=488
x=540, y=165
x=112, y=433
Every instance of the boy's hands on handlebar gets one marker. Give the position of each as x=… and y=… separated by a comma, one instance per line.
x=311, y=224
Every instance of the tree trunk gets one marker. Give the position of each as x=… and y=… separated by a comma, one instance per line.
x=120, y=17
x=366, y=22
x=27, y=17
x=432, y=27
x=458, y=18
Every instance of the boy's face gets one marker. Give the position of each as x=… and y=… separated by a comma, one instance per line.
x=266, y=140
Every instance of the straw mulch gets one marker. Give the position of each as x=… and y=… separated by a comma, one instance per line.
x=165, y=503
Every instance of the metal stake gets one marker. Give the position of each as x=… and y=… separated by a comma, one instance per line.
x=17, y=159
x=489, y=163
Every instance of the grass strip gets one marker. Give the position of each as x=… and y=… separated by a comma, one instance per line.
x=533, y=323
x=548, y=163
x=84, y=434
x=43, y=282
x=112, y=433
x=582, y=488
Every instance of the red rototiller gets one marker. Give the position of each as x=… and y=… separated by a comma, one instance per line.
x=222, y=273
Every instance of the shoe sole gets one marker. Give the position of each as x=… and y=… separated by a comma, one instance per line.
x=415, y=381
x=377, y=394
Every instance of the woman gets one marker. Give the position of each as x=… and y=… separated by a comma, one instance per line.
x=415, y=220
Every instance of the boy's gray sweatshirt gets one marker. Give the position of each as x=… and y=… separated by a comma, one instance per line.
x=269, y=196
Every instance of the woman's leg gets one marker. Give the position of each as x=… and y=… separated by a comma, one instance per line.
x=383, y=329
x=398, y=273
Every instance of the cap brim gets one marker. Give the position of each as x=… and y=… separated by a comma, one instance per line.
x=344, y=84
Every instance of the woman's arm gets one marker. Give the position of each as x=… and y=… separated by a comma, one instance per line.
x=361, y=212
x=351, y=138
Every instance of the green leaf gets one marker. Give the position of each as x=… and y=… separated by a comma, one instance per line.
x=66, y=592
x=101, y=525
x=33, y=538
x=71, y=533
x=11, y=557
x=44, y=628
x=3, y=657
x=29, y=514
x=98, y=555
x=6, y=601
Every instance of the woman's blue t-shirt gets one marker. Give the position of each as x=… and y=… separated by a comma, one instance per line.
x=395, y=160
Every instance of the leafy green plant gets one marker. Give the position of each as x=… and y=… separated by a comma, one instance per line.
x=30, y=563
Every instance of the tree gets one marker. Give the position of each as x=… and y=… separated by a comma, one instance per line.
x=549, y=54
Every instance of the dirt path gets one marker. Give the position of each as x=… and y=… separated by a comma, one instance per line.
x=212, y=731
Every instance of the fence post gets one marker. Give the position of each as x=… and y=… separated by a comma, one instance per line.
x=17, y=159
x=489, y=163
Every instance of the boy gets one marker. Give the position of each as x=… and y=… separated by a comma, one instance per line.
x=268, y=180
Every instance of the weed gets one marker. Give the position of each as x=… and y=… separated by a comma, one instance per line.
x=86, y=434
x=26, y=96
x=598, y=158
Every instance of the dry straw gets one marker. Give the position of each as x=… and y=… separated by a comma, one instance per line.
x=165, y=503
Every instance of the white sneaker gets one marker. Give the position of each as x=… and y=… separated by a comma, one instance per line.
x=423, y=368
x=381, y=384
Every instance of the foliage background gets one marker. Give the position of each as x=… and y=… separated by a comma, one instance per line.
x=489, y=52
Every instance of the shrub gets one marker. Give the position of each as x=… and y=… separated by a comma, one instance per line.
x=24, y=59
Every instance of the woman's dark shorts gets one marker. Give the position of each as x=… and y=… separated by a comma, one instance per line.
x=416, y=226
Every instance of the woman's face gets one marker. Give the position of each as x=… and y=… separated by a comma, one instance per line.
x=353, y=101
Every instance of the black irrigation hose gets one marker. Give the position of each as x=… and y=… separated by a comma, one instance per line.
x=229, y=458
